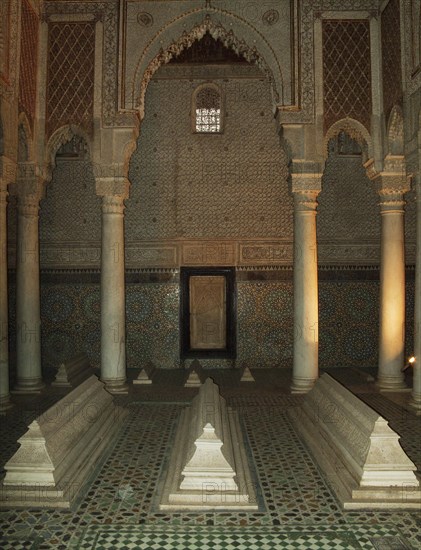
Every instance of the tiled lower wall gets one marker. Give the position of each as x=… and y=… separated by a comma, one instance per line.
x=348, y=323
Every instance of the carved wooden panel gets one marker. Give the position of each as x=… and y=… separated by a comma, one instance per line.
x=391, y=56
x=70, y=86
x=346, y=71
x=28, y=61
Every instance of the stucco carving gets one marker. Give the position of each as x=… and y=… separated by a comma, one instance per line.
x=114, y=188
x=217, y=31
x=355, y=130
x=60, y=137
x=395, y=137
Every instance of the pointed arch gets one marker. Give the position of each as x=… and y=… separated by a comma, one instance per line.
x=355, y=130
x=157, y=54
x=60, y=137
x=395, y=138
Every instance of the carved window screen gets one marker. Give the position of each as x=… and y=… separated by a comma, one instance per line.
x=208, y=110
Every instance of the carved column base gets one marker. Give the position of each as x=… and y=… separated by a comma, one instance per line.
x=391, y=384
x=116, y=386
x=5, y=403
x=302, y=385
x=29, y=385
x=415, y=405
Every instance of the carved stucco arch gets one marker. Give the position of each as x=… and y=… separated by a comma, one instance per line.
x=355, y=130
x=60, y=137
x=162, y=48
x=395, y=137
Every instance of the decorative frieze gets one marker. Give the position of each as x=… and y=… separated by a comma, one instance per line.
x=209, y=253
x=255, y=253
x=151, y=256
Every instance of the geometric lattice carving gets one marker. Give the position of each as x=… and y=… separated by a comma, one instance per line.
x=71, y=59
x=28, y=61
x=346, y=71
x=187, y=185
x=391, y=56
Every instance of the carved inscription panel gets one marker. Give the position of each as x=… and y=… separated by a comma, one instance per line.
x=207, y=312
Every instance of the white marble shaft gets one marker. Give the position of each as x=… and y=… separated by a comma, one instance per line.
x=416, y=389
x=208, y=467
x=72, y=372
x=62, y=448
x=28, y=321
x=306, y=340
x=392, y=294
x=5, y=401
x=113, y=322
x=357, y=450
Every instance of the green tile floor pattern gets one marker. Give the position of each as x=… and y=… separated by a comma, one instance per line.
x=120, y=510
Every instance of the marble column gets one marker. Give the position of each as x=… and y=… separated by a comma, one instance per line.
x=392, y=288
x=306, y=339
x=415, y=402
x=28, y=323
x=113, y=330
x=5, y=402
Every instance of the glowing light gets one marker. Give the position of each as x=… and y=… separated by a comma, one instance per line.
x=411, y=360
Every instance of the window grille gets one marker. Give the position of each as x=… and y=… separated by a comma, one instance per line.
x=208, y=110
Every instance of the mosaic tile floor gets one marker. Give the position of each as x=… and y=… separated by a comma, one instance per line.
x=299, y=510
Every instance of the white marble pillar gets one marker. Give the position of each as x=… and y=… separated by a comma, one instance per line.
x=306, y=338
x=113, y=330
x=5, y=402
x=28, y=323
x=392, y=291
x=415, y=402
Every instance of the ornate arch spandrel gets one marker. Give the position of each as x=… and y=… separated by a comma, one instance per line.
x=395, y=132
x=142, y=76
x=25, y=126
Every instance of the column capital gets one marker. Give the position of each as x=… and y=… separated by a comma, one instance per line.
x=115, y=186
x=393, y=178
x=391, y=200
x=7, y=171
x=306, y=176
x=112, y=204
x=29, y=184
x=305, y=201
